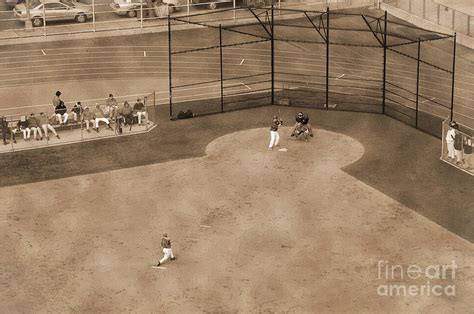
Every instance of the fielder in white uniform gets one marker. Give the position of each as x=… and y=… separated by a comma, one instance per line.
x=450, y=139
x=168, y=253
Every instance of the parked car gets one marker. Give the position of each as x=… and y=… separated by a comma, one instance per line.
x=54, y=10
x=211, y=4
x=131, y=8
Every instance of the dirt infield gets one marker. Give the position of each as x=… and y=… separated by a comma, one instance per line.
x=253, y=230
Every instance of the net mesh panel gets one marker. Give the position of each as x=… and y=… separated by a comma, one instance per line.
x=435, y=87
x=355, y=78
x=196, y=71
x=440, y=53
x=355, y=64
x=400, y=86
x=300, y=61
x=356, y=61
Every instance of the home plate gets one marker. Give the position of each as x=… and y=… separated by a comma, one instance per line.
x=283, y=150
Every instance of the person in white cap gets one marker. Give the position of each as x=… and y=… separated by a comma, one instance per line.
x=450, y=135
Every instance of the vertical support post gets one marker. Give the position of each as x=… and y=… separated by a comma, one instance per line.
x=469, y=25
x=188, y=8
x=44, y=20
x=145, y=102
x=424, y=9
x=154, y=98
x=384, y=63
x=327, y=58
x=273, y=56
x=169, y=68
x=454, y=19
x=234, y=6
x=141, y=14
x=417, y=82
x=438, y=8
x=409, y=6
x=453, y=76
x=93, y=15
x=222, y=70
x=28, y=24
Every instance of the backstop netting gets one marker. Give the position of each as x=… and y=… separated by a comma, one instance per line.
x=230, y=68
x=332, y=60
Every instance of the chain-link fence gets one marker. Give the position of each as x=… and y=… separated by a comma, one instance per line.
x=29, y=18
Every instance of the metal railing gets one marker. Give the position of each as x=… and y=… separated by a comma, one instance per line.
x=77, y=129
x=457, y=150
x=433, y=11
x=106, y=17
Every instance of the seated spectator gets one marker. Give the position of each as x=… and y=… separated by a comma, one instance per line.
x=60, y=109
x=88, y=117
x=139, y=111
x=44, y=122
x=99, y=116
x=61, y=113
x=127, y=114
x=22, y=126
x=110, y=105
x=34, y=125
x=76, y=111
x=6, y=131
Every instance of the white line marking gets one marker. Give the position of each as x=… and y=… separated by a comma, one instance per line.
x=144, y=53
x=341, y=76
x=241, y=62
x=248, y=87
x=431, y=99
x=44, y=53
x=192, y=239
x=159, y=267
x=205, y=226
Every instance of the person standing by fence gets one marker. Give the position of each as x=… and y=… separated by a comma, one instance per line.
x=450, y=140
x=468, y=160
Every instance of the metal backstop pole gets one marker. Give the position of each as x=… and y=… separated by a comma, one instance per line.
x=273, y=57
x=453, y=76
x=93, y=15
x=169, y=67
x=384, y=62
x=222, y=70
x=327, y=58
x=417, y=82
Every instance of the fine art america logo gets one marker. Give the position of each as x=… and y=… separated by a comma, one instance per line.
x=416, y=280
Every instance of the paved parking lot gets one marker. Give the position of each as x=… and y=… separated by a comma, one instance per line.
x=105, y=18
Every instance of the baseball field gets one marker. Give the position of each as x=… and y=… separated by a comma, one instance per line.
x=362, y=218
x=252, y=229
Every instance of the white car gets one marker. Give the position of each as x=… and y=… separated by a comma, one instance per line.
x=131, y=8
x=54, y=10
